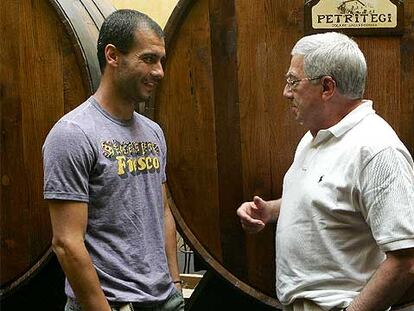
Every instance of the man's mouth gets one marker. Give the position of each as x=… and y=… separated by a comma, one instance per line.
x=150, y=84
x=294, y=109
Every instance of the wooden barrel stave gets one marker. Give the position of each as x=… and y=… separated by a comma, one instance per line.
x=231, y=93
x=43, y=75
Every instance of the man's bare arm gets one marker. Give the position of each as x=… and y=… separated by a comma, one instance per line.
x=69, y=221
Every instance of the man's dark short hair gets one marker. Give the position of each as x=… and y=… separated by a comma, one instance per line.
x=119, y=29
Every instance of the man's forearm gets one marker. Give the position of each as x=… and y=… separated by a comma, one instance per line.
x=387, y=285
x=275, y=208
x=81, y=274
x=171, y=245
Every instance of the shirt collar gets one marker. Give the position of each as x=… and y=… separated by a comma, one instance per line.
x=347, y=123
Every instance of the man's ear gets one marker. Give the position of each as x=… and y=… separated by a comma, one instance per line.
x=112, y=55
x=328, y=87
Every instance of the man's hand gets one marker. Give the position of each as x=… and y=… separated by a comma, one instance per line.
x=178, y=286
x=255, y=215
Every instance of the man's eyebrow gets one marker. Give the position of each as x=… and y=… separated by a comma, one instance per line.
x=149, y=53
x=162, y=57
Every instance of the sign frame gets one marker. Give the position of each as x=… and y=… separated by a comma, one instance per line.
x=355, y=24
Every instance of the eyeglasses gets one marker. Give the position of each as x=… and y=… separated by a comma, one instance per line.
x=292, y=83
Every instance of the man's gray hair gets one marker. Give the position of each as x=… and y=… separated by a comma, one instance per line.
x=336, y=55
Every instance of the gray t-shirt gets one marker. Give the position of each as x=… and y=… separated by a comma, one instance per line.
x=118, y=168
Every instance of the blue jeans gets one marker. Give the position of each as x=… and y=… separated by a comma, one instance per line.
x=173, y=303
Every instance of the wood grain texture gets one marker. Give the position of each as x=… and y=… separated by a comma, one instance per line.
x=269, y=133
x=407, y=79
x=230, y=132
x=27, y=101
x=185, y=110
x=41, y=79
x=224, y=35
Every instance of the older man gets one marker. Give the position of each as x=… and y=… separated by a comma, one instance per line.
x=345, y=222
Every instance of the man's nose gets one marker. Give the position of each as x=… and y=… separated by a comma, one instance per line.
x=158, y=71
x=287, y=91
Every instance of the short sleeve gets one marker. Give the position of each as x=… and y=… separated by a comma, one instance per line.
x=387, y=190
x=67, y=160
x=164, y=157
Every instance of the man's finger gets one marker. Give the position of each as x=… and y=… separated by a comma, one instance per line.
x=259, y=202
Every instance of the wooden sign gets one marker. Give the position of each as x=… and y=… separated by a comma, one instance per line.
x=355, y=17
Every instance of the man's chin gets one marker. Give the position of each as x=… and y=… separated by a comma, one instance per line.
x=298, y=119
x=143, y=97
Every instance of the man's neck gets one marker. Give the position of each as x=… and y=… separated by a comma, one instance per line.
x=337, y=111
x=112, y=103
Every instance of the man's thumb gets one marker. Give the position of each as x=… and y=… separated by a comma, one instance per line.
x=259, y=202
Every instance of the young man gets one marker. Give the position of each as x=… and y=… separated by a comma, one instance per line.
x=345, y=222
x=104, y=167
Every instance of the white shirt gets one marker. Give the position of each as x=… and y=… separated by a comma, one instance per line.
x=347, y=198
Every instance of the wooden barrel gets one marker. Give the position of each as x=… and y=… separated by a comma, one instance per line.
x=48, y=67
x=229, y=130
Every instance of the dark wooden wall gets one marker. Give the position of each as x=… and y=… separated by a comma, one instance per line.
x=40, y=80
x=229, y=130
x=48, y=66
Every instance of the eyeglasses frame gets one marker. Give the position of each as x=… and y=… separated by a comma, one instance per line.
x=293, y=83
